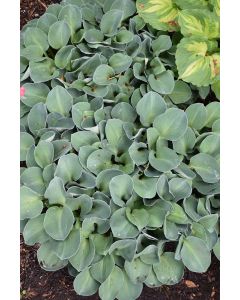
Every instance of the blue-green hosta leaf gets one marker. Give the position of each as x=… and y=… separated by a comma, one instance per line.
x=194, y=64
x=34, y=231
x=102, y=243
x=34, y=93
x=100, y=209
x=61, y=147
x=120, y=62
x=34, y=36
x=37, y=118
x=64, y=56
x=55, y=192
x=206, y=166
x=184, y=171
x=81, y=112
x=186, y=143
x=45, y=21
x=125, y=248
x=102, y=269
x=124, y=111
x=137, y=270
x=121, y=227
x=163, y=188
x=216, y=249
x=54, y=9
x=157, y=213
x=99, y=160
x=181, y=92
x=164, y=160
x=30, y=203
x=162, y=83
x=199, y=22
x=171, y=230
x=32, y=178
x=58, y=222
x=111, y=21
x=48, y=173
x=42, y=71
x=72, y=15
x=149, y=255
x=48, y=260
x=138, y=153
x=69, y=168
x=195, y=254
x=110, y=288
x=104, y=75
x=180, y=188
x=121, y=188
x=59, y=34
x=177, y=215
x=69, y=247
x=124, y=37
x=213, y=113
x=26, y=142
x=172, y=124
x=152, y=281
x=84, y=284
x=210, y=145
x=197, y=116
x=160, y=14
x=127, y=6
x=209, y=222
x=59, y=100
x=161, y=44
x=116, y=136
x=44, y=153
x=84, y=257
x=144, y=186
x=169, y=270
x=32, y=53
x=130, y=290
x=104, y=178
x=149, y=107
x=93, y=36
x=83, y=138
x=139, y=217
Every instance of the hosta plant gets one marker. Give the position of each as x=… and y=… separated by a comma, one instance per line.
x=197, y=54
x=120, y=166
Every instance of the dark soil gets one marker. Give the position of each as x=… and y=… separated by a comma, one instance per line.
x=37, y=284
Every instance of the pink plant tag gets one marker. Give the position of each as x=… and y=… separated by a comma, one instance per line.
x=22, y=91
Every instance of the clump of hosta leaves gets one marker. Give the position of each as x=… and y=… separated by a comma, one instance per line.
x=197, y=54
x=120, y=168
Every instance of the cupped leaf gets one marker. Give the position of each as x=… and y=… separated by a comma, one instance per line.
x=130, y=290
x=104, y=75
x=84, y=284
x=197, y=116
x=195, y=254
x=59, y=100
x=59, y=34
x=31, y=204
x=69, y=168
x=181, y=92
x=120, y=62
x=44, y=153
x=111, y=21
x=180, y=188
x=206, y=166
x=32, y=177
x=58, y=222
x=72, y=15
x=149, y=107
x=34, y=231
x=26, y=142
x=34, y=93
x=137, y=270
x=125, y=248
x=34, y=36
x=102, y=269
x=121, y=227
x=164, y=160
x=169, y=270
x=145, y=186
x=37, y=118
x=172, y=124
x=121, y=188
x=162, y=83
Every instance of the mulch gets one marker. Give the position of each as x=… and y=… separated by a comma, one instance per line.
x=37, y=284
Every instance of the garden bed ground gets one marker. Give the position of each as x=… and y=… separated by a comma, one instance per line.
x=37, y=284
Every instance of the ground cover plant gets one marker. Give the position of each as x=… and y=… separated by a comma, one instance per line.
x=119, y=162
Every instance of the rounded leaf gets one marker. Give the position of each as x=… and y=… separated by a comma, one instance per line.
x=84, y=284
x=59, y=34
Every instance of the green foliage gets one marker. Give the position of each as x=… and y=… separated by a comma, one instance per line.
x=118, y=160
x=197, y=54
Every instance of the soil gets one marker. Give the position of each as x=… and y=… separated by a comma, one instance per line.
x=37, y=284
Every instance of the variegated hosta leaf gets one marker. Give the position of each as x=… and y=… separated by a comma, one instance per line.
x=160, y=14
x=194, y=63
x=199, y=22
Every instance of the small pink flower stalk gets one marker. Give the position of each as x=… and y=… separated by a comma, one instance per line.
x=22, y=91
